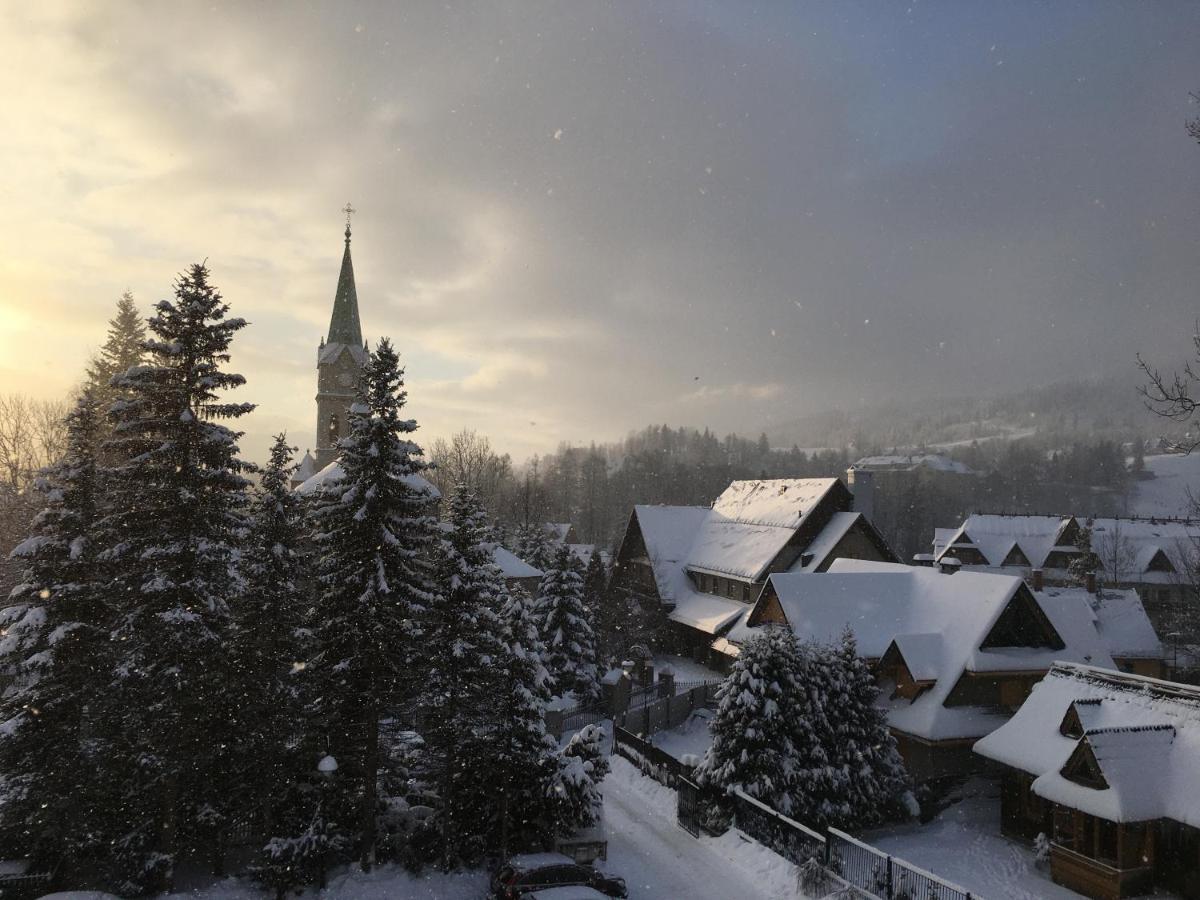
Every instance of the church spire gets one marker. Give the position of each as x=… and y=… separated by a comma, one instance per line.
x=344, y=327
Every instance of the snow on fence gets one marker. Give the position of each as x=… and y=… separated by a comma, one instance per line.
x=785, y=836
x=650, y=760
x=885, y=876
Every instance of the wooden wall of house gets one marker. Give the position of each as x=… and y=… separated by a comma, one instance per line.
x=855, y=544
x=1005, y=690
x=1023, y=814
x=926, y=761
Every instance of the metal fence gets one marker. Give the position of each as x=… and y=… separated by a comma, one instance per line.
x=667, y=712
x=650, y=760
x=785, y=836
x=24, y=887
x=884, y=876
x=583, y=715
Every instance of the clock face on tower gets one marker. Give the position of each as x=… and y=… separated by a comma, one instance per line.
x=345, y=379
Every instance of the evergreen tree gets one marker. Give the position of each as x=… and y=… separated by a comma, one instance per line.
x=524, y=757
x=54, y=652
x=532, y=544
x=1087, y=560
x=570, y=643
x=123, y=348
x=862, y=751
x=595, y=583
x=376, y=538
x=268, y=639
x=463, y=646
x=753, y=734
x=820, y=796
x=585, y=763
x=175, y=508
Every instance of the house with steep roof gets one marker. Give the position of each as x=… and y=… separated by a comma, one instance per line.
x=516, y=572
x=701, y=568
x=1151, y=556
x=955, y=654
x=1107, y=764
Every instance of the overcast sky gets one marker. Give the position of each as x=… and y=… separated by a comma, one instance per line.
x=576, y=219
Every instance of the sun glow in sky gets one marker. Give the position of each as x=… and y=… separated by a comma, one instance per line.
x=576, y=219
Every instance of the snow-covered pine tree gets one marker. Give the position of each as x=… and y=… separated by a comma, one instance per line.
x=585, y=763
x=532, y=544
x=819, y=797
x=462, y=648
x=376, y=536
x=570, y=644
x=863, y=749
x=754, y=738
x=1087, y=560
x=175, y=510
x=524, y=757
x=123, y=348
x=54, y=653
x=269, y=642
x=595, y=583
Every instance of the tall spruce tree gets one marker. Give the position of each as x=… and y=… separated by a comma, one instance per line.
x=754, y=735
x=532, y=544
x=595, y=583
x=524, y=757
x=123, y=348
x=1086, y=561
x=565, y=631
x=268, y=639
x=819, y=796
x=869, y=771
x=54, y=652
x=463, y=647
x=376, y=536
x=175, y=510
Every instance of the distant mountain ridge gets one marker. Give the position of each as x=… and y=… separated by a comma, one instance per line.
x=1080, y=409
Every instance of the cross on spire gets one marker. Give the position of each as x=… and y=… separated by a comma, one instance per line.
x=349, y=211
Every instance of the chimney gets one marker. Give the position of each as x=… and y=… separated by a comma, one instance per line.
x=861, y=483
x=1090, y=582
x=948, y=565
x=1039, y=581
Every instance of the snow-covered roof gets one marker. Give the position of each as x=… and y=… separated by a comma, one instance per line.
x=936, y=462
x=939, y=624
x=332, y=474
x=307, y=468
x=558, y=531
x=779, y=501
x=1118, y=616
x=1131, y=543
x=1143, y=733
x=511, y=565
x=740, y=536
x=942, y=538
x=751, y=522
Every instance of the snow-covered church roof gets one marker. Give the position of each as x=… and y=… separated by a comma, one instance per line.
x=1143, y=735
x=329, y=476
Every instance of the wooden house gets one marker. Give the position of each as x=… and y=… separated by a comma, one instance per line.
x=701, y=568
x=516, y=572
x=955, y=654
x=1107, y=764
x=1151, y=556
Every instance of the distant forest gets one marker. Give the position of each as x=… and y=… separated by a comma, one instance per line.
x=595, y=487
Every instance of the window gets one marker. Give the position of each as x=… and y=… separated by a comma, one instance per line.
x=335, y=430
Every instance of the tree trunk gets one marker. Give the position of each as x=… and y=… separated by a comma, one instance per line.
x=370, y=783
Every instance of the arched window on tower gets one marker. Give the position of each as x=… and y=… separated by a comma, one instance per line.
x=335, y=430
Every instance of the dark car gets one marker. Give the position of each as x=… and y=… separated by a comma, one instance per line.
x=522, y=875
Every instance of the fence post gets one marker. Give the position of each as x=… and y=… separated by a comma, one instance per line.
x=890, y=887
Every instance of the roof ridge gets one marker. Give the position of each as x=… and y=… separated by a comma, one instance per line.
x=1121, y=729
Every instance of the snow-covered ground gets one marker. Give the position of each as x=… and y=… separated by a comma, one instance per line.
x=964, y=845
x=686, y=669
x=658, y=859
x=691, y=738
x=1166, y=494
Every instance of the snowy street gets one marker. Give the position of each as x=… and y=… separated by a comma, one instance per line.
x=659, y=860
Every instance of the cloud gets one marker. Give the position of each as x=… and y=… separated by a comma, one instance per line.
x=591, y=218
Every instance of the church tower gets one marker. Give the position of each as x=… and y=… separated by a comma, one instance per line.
x=340, y=361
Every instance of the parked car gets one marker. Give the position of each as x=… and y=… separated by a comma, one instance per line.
x=575, y=892
x=531, y=874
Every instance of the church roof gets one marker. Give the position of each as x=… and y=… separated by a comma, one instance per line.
x=344, y=327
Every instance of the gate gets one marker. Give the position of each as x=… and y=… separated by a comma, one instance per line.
x=688, y=806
